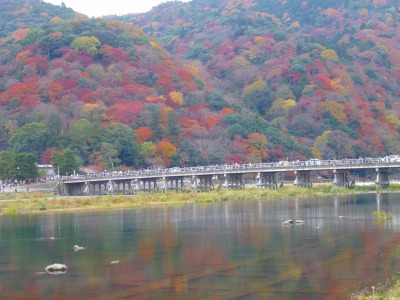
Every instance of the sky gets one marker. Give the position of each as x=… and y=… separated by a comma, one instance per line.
x=98, y=8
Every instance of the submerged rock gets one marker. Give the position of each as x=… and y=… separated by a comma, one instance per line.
x=291, y=222
x=287, y=222
x=56, y=269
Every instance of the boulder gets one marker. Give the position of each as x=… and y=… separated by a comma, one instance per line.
x=56, y=269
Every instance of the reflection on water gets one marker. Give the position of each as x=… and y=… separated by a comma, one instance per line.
x=228, y=250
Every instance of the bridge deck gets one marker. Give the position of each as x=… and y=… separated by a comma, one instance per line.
x=285, y=166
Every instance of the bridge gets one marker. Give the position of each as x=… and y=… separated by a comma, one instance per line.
x=229, y=176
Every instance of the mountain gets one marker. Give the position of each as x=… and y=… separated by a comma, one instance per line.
x=322, y=72
x=77, y=91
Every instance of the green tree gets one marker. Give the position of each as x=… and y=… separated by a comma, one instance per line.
x=24, y=166
x=122, y=138
x=30, y=138
x=108, y=156
x=81, y=136
x=173, y=130
x=259, y=100
x=6, y=164
x=147, y=153
x=66, y=162
x=89, y=44
x=152, y=117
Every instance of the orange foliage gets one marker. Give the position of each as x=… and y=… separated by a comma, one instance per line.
x=193, y=69
x=333, y=13
x=257, y=137
x=143, y=134
x=176, y=97
x=209, y=122
x=85, y=75
x=187, y=122
x=55, y=92
x=20, y=34
x=22, y=56
x=55, y=19
x=164, y=116
x=20, y=12
x=157, y=99
x=165, y=150
x=326, y=82
x=227, y=111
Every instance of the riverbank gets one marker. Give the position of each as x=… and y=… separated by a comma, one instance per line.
x=388, y=290
x=39, y=202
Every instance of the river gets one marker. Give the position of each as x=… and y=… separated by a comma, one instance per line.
x=235, y=249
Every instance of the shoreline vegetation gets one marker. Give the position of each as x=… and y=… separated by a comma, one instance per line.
x=41, y=202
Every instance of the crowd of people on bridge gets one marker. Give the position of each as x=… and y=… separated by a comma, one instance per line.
x=248, y=166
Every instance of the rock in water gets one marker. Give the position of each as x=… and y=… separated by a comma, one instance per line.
x=56, y=269
x=78, y=248
x=287, y=222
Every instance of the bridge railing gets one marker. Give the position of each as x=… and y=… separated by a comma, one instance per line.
x=331, y=163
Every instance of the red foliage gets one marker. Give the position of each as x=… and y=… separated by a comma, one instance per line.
x=184, y=74
x=85, y=58
x=277, y=154
x=68, y=83
x=125, y=112
x=111, y=54
x=325, y=81
x=90, y=97
x=233, y=158
x=136, y=91
x=80, y=93
x=143, y=134
x=39, y=61
x=47, y=156
x=319, y=63
x=165, y=80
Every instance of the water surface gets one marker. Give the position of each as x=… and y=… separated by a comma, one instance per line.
x=227, y=250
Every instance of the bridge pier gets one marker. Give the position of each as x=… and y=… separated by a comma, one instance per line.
x=205, y=182
x=303, y=179
x=267, y=179
x=75, y=189
x=341, y=178
x=234, y=181
x=147, y=182
x=175, y=184
x=134, y=186
x=382, y=177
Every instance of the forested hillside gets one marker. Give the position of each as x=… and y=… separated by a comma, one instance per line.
x=76, y=91
x=324, y=72
x=203, y=82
